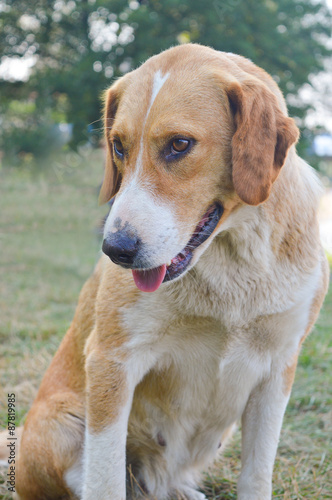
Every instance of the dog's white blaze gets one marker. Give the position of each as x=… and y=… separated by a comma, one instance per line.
x=154, y=221
x=158, y=82
x=139, y=161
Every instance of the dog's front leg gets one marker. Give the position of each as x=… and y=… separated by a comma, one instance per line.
x=110, y=388
x=261, y=424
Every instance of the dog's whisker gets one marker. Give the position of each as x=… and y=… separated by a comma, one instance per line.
x=95, y=121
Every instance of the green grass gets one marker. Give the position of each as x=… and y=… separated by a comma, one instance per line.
x=49, y=244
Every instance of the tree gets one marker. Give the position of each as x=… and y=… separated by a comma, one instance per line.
x=286, y=37
x=63, y=38
x=79, y=45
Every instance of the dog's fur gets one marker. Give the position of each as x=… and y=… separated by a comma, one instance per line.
x=145, y=386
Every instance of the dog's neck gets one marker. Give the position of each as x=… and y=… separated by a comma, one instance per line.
x=257, y=244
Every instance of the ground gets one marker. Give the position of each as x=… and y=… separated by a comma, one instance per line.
x=50, y=240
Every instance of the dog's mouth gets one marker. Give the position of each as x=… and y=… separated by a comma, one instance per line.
x=149, y=280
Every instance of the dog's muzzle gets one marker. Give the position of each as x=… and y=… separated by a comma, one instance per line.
x=123, y=249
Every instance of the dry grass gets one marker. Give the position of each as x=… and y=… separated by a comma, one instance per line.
x=49, y=244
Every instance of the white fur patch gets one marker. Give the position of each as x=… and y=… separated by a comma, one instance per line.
x=158, y=83
x=153, y=220
x=74, y=478
x=105, y=461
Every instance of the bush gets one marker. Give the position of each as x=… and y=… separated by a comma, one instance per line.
x=27, y=133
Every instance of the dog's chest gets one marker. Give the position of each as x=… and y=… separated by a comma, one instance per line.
x=207, y=361
x=201, y=361
x=197, y=389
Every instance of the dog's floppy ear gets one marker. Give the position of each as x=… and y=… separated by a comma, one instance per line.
x=112, y=178
x=263, y=135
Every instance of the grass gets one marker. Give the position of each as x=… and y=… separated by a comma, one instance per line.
x=49, y=244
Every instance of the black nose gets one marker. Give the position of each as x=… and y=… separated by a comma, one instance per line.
x=121, y=248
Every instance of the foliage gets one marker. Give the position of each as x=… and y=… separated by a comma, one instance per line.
x=79, y=45
x=26, y=132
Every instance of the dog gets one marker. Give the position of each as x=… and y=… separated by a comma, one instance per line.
x=212, y=275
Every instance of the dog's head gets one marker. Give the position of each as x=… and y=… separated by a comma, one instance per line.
x=191, y=134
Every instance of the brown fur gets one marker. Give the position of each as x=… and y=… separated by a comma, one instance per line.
x=59, y=405
x=262, y=139
x=289, y=375
x=319, y=297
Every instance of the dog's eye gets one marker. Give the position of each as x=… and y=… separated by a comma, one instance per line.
x=179, y=145
x=118, y=148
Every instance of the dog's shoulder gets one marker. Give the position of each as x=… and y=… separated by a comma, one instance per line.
x=269, y=258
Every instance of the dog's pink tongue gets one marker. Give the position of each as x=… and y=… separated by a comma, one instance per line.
x=151, y=279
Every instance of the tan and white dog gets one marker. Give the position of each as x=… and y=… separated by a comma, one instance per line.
x=216, y=215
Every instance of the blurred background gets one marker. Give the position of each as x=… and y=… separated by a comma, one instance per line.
x=57, y=57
